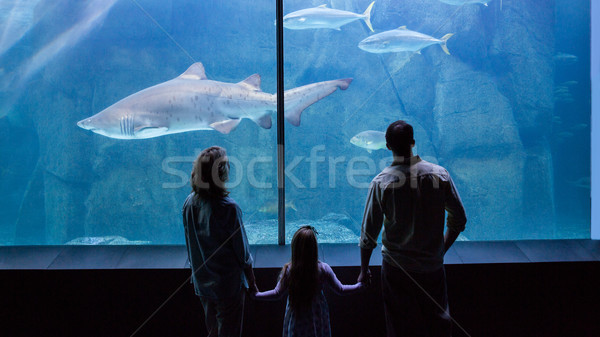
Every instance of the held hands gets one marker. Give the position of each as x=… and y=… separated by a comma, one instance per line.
x=252, y=288
x=365, y=277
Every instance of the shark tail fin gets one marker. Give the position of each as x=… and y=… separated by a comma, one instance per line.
x=444, y=41
x=298, y=99
x=367, y=15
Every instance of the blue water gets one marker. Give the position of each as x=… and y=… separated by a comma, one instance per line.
x=507, y=113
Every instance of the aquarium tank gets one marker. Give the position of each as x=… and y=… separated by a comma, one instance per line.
x=104, y=105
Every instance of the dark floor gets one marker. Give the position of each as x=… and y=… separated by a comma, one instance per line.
x=523, y=299
x=521, y=288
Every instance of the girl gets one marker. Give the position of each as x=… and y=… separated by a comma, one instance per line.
x=306, y=313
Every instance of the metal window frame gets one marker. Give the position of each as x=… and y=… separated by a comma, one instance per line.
x=280, y=127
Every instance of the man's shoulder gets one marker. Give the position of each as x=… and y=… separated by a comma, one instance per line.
x=426, y=167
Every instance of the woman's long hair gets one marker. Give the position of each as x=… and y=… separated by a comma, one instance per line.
x=303, y=281
x=210, y=172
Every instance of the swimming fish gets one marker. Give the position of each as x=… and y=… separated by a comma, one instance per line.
x=323, y=17
x=401, y=40
x=192, y=102
x=465, y=2
x=272, y=206
x=370, y=140
x=564, y=58
x=584, y=182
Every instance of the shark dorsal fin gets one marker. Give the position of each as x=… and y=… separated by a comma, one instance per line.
x=194, y=72
x=402, y=28
x=322, y=6
x=252, y=82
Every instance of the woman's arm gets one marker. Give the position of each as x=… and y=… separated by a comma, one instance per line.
x=336, y=285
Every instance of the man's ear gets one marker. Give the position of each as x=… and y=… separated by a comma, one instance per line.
x=388, y=146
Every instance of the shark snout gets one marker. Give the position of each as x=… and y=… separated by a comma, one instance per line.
x=85, y=124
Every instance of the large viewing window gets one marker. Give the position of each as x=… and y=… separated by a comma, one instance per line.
x=499, y=94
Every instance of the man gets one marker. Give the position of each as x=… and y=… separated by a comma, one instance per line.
x=410, y=198
x=217, y=245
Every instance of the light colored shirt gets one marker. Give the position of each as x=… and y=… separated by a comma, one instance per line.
x=217, y=245
x=410, y=200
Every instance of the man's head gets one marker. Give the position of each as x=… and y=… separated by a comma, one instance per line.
x=399, y=138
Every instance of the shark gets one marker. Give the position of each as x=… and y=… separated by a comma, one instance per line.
x=192, y=102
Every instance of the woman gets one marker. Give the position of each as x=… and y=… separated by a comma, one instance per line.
x=217, y=245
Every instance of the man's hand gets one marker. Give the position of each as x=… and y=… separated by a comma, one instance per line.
x=365, y=277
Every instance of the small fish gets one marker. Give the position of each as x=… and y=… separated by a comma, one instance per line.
x=570, y=83
x=565, y=134
x=565, y=58
x=579, y=127
x=465, y=2
x=370, y=140
x=401, y=40
x=584, y=182
x=272, y=206
x=323, y=17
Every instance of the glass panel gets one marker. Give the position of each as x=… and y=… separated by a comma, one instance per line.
x=503, y=103
x=64, y=61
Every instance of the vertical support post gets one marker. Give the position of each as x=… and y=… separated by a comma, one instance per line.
x=280, y=130
x=595, y=146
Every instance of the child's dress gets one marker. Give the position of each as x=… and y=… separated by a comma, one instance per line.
x=313, y=323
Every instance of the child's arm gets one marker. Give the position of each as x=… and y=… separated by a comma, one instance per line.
x=275, y=294
x=336, y=285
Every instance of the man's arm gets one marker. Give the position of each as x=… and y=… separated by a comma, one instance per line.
x=365, y=273
x=456, y=219
x=371, y=227
x=449, y=238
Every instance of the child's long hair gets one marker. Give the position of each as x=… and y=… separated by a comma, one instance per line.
x=303, y=281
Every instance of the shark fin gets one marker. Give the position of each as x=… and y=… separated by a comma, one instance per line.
x=402, y=28
x=194, y=72
x=226, y=126
x=264, y=121
x=298, y=99
x=150, y=131
x=322, y=6
x=252, y=82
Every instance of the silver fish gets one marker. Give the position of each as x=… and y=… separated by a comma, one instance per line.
x=401, y=40
x=323, y=17
x=192, y=102
x=370, y=140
